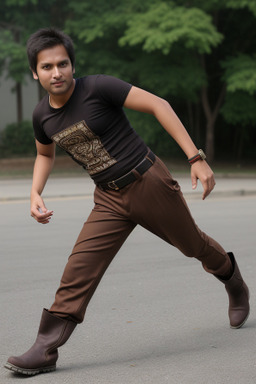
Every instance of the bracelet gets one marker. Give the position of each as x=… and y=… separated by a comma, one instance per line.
x=199, y=156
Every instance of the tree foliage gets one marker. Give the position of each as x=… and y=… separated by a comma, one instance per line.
x=240, y=73
x=17, y=139
x=165, y=24
x=199, y=55
x=13, y=53
x=234, y=107
x=239, y=4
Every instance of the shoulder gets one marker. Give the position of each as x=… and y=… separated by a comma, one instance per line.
x=86, y=81
x=109, y=80
x=101, y=80
x=41, y=107
x=108, y=89
x=112, y=88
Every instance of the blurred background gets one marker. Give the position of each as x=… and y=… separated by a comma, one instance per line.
x=199, y=55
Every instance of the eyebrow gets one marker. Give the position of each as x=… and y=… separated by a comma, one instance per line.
x=60, y=62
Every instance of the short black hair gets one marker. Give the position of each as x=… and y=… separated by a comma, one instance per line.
x=47, y=38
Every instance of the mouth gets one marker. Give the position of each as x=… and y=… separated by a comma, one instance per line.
x=58, y=83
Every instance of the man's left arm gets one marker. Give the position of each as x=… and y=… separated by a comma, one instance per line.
x=143, y=101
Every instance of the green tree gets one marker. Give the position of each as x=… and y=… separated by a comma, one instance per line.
x=18, y=19
x=13, y=57
x=239, y=108
x=199, y=55
x=204, y=38
x=164, y=27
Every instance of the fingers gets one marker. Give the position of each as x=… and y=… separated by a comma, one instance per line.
x=194, y=182
x=208, y=184
x=40, y=216
x=38, y=210
x=201, y=170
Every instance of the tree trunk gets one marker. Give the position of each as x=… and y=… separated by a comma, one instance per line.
x=194, y=111
x=209, y=140
x=211, y=116
x=19, y=102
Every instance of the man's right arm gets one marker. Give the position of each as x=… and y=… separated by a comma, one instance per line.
x=42, y=168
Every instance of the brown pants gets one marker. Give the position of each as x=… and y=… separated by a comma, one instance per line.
x=155, y=202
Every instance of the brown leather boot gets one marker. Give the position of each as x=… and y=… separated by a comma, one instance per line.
x=42, y=356
x=238, y=294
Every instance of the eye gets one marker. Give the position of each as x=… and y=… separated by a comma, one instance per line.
x=46, y=67
x=63, y=64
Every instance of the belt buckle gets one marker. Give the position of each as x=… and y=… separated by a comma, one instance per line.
x=112, y=185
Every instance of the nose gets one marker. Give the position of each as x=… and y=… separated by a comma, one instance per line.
x=56, y=73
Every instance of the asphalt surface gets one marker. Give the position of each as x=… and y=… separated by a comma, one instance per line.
x=156, y=317
x=18, y=189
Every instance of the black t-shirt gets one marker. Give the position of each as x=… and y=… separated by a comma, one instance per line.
x=93, y=128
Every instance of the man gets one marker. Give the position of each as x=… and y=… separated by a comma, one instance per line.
x=85, y=117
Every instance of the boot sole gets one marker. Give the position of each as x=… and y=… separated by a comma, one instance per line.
x=29, y=372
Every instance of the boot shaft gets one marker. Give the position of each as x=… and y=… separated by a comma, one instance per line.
x=42, y=356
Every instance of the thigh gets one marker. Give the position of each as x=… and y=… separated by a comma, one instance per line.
x=98, y=242
x=159, y=206
x=103, y=233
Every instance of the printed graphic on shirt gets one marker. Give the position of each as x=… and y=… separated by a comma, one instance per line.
x=84, y=147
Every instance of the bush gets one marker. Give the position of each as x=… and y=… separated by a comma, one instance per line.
x=17, y=139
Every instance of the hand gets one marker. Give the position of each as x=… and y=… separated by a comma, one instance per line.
x=38, y=210
x=201, y=170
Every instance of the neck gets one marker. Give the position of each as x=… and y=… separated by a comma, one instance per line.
x=57, y=101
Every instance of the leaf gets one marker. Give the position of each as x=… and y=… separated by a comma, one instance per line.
x=240, y=73
x=239, y=108
x=20, y=3
x=164, y=24
x=238, y=4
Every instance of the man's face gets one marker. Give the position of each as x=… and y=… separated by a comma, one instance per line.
x=54, y=71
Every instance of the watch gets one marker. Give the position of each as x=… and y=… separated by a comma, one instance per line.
x=200, y=156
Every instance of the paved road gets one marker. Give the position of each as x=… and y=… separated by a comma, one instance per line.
x=156, y=317
x=81, y=186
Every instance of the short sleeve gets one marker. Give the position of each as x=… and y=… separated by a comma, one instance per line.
x=39, y=131
x=112, y=90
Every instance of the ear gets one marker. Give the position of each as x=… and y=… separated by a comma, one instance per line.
x=73, y=70
x=34, y=75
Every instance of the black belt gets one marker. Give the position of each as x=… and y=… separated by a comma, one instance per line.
x=130, y=177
